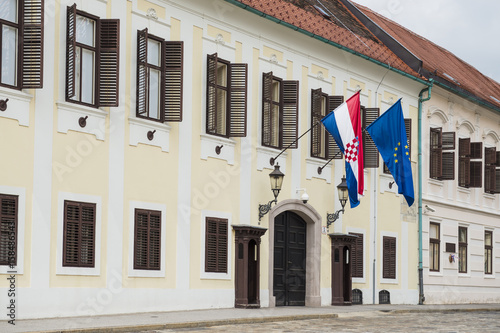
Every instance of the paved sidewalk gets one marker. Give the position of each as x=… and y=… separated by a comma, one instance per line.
x=201, y=318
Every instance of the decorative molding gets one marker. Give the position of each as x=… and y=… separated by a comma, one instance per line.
x=18, y=107
x=209, y=143
x=264, y=154
x=139, y=129
x=151, y=13
x=219, y=39
x=69, y=114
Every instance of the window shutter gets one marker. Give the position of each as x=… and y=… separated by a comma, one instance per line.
x=154, y=240
x=212, y=93
x=448, y=165
x=357, y=256
x=79, y=234
x=476, y=150
x=174, y=52
x=32, y=44
x=109, y=58
x=448, y=140
x=238, y=100
x=389, y=258
x=408, y=133
x=216, y=245
x=267, y=84
x=147, y=243
x=290, y=113
x=370, y=151
x=464, y=162
x=476, y=174
x=71, y=234
x=8, y=220
x=87, y=242
x=142, y=79
x=435, y=167
x=490, y=159
x=316, y=116
x=70, y=51
x=333, y=149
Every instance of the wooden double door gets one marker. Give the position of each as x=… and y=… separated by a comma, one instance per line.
x=289, y=282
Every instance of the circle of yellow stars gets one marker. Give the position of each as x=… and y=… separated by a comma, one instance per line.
x=407, y=153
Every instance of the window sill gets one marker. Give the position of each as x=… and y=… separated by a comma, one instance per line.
x=139, y=129
x=312, y=165
x=264, y=154
x=68, y=115
x=17, y=106
x=389, y=281
x=209, y=143
x=489, y=276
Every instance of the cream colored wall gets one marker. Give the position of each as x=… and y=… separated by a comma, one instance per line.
x=17, y=171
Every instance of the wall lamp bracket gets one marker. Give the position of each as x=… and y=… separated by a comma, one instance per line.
x=332, y=217
x=265, y=208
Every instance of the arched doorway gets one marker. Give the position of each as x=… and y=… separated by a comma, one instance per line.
x=289, y=259
x=313, y=248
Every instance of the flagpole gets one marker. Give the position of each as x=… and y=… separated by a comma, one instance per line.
x=273, y=159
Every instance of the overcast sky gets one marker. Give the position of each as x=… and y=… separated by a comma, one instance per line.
x=468, y=29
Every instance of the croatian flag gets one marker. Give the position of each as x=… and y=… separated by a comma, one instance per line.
x=344, y=124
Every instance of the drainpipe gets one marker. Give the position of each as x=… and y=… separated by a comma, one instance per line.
x=421, y=297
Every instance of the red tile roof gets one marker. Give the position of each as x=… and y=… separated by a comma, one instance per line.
x=439, y=61
x=342, y=28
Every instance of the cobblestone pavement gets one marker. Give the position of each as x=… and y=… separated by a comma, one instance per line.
x=372, y=322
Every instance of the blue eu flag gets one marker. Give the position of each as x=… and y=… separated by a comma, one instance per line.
x=389, y=135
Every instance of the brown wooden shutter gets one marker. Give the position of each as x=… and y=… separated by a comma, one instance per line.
x=32, y=44
x=476, y=174
x=333, y=149
x=8, y=225
x=109, y=61
x=238, y=74
x=79, y=234
x=267, y=84
x=174, y=52
x=216, y=239
x=142, y=74
x=408, y=133
x=316, y=116
x=448, y=158
x=290, y=114
x=147, y=243
x=490, y=160
x=476, y=150
x=389, y=257
x=448, y=166
x=70, y=51
x=370, y=150
x=464, y=162
x=435, y=167
x=211, y=126
x=357, y=256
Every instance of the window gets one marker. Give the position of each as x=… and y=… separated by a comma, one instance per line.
x=389, y=257
x=488, y=252
x=159, y=78
x=408, y=137
x=469, y=171
x=491, y=173
x=434, y=245
x=322, y=143
x=280, y=100
x=92, y=57
x=370, y=151
x=21, y=50
x=8, y=229
x=442, y=156
x=147, y=242
x=79, y=234
x=216, y=236
x=357, y=256
x=226, y=98
x=462, y=249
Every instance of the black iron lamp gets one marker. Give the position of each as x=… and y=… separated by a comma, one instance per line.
x=343, y=196
x=276, y=178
